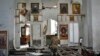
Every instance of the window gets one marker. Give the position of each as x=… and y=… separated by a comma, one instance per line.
x=53, y=27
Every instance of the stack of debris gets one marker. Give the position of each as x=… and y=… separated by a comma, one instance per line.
x=74, y=51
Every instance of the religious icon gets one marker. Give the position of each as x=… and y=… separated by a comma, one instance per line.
x=23, y=10
x=21, y=5
x=34, y=8
x=71, y=18
x=76, y=8
x=64, y=31
x=63, y=8
x=35, y=18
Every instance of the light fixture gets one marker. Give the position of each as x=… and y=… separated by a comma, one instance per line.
x=55, y=6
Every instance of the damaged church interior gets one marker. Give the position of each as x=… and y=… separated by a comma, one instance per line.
x=49, y=28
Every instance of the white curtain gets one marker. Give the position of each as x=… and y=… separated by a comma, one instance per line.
x=74, y=32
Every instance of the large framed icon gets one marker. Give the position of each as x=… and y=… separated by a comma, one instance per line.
x=63, y=31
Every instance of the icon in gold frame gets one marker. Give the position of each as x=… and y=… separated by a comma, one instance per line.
x=76, y=8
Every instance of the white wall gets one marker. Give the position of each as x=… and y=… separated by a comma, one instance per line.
x=7, y=18
x=91, y=24
x=87, y=23
x=96, y=24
